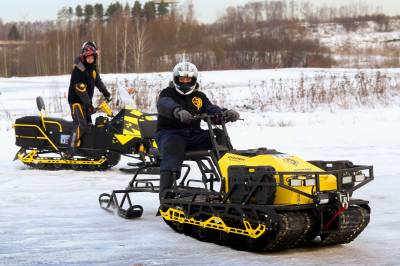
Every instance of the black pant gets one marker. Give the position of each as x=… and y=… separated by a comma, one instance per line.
x=172, y=144
x=82, y=121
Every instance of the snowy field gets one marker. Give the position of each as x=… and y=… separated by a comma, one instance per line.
x=53, y=217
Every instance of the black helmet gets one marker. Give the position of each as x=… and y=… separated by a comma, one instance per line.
x=88, y=48
x=89, y=43
x=185, y=69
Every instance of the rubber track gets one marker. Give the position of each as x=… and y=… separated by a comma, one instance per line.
x=352, y=222
x=84, y=167
x=294, y=230
x=68, y=166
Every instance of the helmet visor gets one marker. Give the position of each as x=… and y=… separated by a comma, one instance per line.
x=185, y=80
x=88, y=51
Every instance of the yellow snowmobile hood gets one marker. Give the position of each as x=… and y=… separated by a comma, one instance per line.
x=130, y=127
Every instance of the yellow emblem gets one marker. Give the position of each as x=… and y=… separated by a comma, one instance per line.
x=291, y=161
x=81, y=87
x=198, y=102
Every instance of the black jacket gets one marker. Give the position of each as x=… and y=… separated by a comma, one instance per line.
x=196, y=103
x=84, y=78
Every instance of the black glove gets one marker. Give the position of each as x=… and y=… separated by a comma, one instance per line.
x=108, y=98
x=183, y=115
x=91, y=109
x=231, y=115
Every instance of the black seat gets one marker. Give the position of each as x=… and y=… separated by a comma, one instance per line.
x=189, y=155
x=192, y=155
x=58, y=124
x=51, y=124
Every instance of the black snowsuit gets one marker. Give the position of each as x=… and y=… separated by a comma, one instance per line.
x=174, y=137
x=84, y=78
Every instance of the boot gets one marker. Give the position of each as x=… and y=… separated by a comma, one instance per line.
x=69, y=154
x=167, y=180
x=71, y=151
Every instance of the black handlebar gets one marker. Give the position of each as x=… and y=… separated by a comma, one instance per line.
x=195, y=117
x=205, y=116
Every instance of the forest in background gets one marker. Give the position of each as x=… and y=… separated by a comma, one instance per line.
x=153, y=36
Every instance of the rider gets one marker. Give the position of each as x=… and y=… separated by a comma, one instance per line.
x=177, y=131
x=84, y=78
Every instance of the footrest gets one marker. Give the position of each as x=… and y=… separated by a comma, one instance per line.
x=139, y=164
x=124, y=207
x=144, y=171
x=134, y=211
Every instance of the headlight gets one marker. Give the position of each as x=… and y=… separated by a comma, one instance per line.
x=295, y=182
x=359, y=177
x=309, y=182
x=347, y=179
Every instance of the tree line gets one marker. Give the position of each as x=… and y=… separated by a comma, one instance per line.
x=154, y=36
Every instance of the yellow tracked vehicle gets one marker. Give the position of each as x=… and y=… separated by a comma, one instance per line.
x=257, y=199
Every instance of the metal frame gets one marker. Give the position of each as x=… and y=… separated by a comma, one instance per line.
x=210, y=173
x=317, y=175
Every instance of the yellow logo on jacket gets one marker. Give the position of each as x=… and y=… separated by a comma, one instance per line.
x=94, y=74
x=198, y=102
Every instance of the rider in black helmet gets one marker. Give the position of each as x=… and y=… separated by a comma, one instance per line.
x=84, y=78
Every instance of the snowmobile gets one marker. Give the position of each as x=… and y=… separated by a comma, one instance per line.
x=45, y=140
x=257, y=199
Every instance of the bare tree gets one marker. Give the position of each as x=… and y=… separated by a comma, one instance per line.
x=5, y=61
x=139, y=44
x=125, y=21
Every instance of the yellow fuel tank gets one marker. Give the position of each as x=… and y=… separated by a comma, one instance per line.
x=281, y=163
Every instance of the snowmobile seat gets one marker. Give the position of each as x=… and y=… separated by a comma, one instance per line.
x=51, y=124
x=26, y=129
x=29, y=120
x=189, y=155
x=58, y=125
x=193, y=155
x=29, y=130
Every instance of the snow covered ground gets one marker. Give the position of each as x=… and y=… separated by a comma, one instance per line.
x=53, y=217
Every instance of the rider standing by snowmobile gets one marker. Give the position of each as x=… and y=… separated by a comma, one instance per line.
x=177, y=131
x=84, y=78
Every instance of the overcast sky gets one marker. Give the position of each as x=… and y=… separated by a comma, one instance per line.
x=206, y=10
